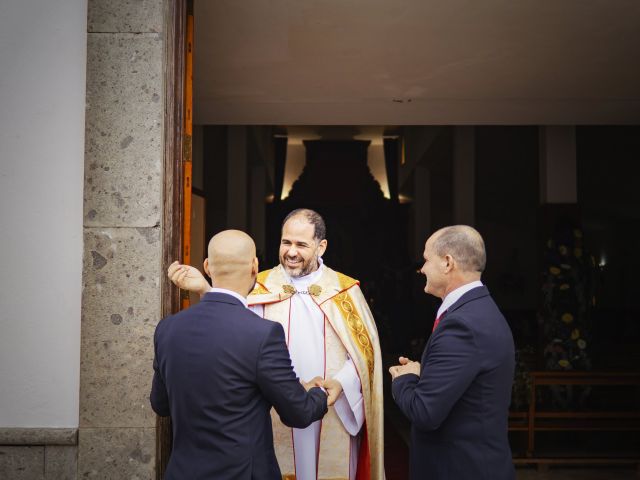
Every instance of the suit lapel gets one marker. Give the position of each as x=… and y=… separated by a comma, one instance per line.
x=470, y=296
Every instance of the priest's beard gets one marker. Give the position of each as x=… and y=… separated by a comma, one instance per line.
x=304, y=268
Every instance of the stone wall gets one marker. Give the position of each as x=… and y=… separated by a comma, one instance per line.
x=122, y=238
x=38, y=453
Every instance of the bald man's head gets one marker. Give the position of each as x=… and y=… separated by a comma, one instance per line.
x=232, y=260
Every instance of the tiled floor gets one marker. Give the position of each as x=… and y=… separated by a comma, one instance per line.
x=578, y=474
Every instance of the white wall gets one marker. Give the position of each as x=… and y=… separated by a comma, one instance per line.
x=42, y=95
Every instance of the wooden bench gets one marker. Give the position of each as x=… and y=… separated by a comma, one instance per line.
x=535, y=420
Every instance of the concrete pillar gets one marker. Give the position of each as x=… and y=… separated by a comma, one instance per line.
x=464, y=163
x=558, y=174
x=421, y=207
x=237, y=178
x=121, y=301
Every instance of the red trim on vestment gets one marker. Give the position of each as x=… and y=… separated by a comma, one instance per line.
x=324, y=375
x=324, y=339
x=350, y=447
x=363, y=471
x=293, y=445
x=364, y=456
x=318, y=454
x=337, y=293
x=293, y=442
x=289, y=324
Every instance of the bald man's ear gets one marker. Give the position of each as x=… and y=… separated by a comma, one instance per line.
x=255, y=267
x=448, y=266
x=205, y=266
x=322, y=246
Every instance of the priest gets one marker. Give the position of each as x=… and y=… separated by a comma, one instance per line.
x=330, y=333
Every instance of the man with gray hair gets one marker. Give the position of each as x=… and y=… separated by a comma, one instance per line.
x=457, y=397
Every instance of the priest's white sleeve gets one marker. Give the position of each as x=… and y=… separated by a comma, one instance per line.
x=350, y=405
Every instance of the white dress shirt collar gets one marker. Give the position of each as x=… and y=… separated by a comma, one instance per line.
x=455, y=295
x=229, y=292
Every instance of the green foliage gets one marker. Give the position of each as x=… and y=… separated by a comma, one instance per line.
x=567, y=287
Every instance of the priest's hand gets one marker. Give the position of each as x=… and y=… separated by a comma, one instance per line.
x=188, y=278
x=334, y=389
x=314, y=382
x=406, y=366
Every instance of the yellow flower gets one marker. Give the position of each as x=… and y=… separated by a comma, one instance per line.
x=564, y=286
x=562, y=249
x=567, y=318
x=577, y=233
x=575, y=334
x=554, y=270
x=564, y=363
x=577, y=252
x=582, y=344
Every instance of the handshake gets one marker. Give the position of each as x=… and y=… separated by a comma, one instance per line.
x=332, y=387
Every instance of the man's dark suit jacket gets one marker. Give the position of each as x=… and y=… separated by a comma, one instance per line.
x=459, y=406
x=218, y=370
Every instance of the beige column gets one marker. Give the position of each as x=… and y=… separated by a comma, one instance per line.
x=464, y=159
x=122, y=238
x=558, y=174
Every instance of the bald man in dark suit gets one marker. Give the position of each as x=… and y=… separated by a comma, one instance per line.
x=219, y=368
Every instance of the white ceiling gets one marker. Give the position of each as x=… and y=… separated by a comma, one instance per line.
x=417, y=62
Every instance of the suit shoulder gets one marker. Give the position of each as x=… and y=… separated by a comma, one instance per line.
x=256, y=324
x=177, y=317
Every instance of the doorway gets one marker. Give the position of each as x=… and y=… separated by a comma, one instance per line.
x=435, y=174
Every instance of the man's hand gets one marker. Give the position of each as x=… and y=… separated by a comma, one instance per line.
x=314, y=382
x=334, y=389
x=188, y=278
x=406, y=366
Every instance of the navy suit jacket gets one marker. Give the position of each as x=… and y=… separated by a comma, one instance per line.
x=218, y=370
x=459, y=406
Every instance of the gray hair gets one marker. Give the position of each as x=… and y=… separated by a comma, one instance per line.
x=314, y=218
x=464, y=244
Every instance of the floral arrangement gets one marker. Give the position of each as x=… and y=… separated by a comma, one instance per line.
x=568, y=295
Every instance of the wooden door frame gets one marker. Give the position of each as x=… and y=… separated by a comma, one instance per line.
x=175, y=22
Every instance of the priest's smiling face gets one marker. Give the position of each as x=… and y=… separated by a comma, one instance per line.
x=299, y=250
